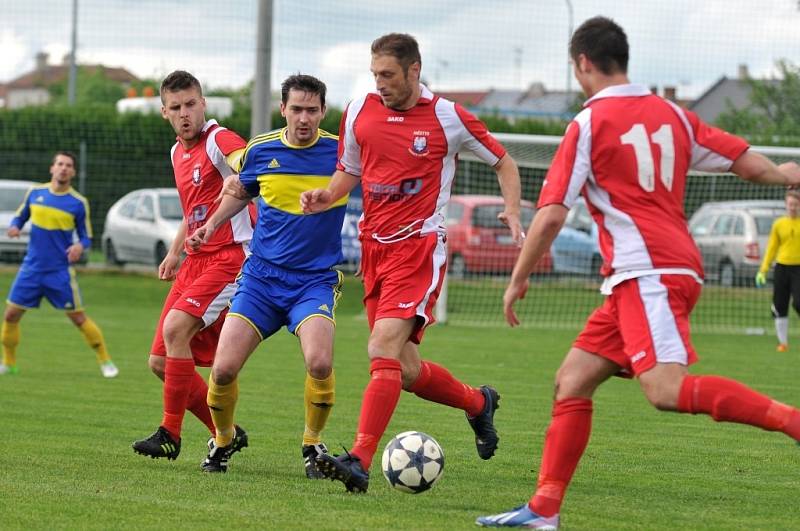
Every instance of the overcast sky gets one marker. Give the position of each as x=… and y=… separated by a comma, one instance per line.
x=466, y=44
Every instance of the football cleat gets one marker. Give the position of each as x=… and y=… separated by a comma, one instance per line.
x=8, y=369
x=310, y=454
x=240, y=440
x=520, y=516
x=345, y=468
x=108, y=369
x=159, y=444
x=782, y=347
x=217, y=458
x=486, y=437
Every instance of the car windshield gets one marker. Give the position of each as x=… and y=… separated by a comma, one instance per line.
x=170, y=207
x=485, y=216
x=763, y=225
x=11, y=198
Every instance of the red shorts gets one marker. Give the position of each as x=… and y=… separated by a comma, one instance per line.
x=643, y=322
x=403, y=279
x=204, y=285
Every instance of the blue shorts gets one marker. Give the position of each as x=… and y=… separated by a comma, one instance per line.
x=60, y=287
x=269, y=297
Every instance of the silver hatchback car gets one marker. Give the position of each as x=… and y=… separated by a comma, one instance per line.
x=732, y=237
x=12, y=193
x=141, y=225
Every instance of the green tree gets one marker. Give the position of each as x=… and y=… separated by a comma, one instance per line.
x=773, y=115
x=93, y=88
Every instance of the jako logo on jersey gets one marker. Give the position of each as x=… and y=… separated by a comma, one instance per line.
x=273, y=164
x=405, y=304
x=395, y=118
x=638, y=356
x=186, y=156
x=193, y=302
x=196, y=177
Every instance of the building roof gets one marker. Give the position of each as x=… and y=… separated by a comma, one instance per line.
x=467, y=99
x=51, y=74
x=724, y=92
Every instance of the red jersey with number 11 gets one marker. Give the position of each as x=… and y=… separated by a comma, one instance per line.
x=628, y=152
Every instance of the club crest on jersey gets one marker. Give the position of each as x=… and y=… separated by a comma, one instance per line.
x=196, y=177
x=419, y=146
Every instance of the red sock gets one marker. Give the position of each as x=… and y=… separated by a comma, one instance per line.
x=564, y=444
x=435, y=383
x=198, y=403
x=178, y=375
x=730, y=401
x=380, y=399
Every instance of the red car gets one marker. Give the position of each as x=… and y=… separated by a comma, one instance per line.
x=478, y=242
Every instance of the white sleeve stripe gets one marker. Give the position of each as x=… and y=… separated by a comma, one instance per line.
x=582, y=166
x=351, y=154
x=703, y=158
x=172, y=154
x=215, y=154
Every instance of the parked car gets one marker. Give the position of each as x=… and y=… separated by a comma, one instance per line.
x=732, y=237
x=477, y=242
x=12, y=193
x=141, y=226
x=576, y=249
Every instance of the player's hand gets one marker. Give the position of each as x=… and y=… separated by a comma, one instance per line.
x=200, y=236
x=13, y=231
x=792, y=172
x=168, y=267
x=74, y=252
x=761, y=279
x=231, y=185
x=317, y=200
x=511, y=220
x=514, y=292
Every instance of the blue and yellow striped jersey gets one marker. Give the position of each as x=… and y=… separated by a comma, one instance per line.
x=277, y=173
x=54, y=218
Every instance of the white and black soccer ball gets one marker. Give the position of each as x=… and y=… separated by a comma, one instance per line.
x=412, y=462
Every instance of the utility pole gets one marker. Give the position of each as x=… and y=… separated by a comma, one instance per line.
x=569, y=37
x=260, y=119
x=73, y=66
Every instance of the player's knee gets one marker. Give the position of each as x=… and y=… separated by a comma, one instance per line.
x=223, y=374
x=570, y=383
x=156, y=364
x=13, y=314
x=319, y=364
x=662, y=395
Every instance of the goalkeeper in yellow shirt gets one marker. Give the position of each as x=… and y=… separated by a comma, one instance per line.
x=784, y=248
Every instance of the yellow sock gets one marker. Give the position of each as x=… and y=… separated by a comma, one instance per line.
x=319, y=396
x=9, y=335
x=222, y=403
x=94, y=338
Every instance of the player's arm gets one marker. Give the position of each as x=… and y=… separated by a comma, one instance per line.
x=319, y=199
x=757, y=168
x=543, y=230
x=508, y=177
x=83, y=228
x=21, y=217
x=228, y=207
x=169, y=266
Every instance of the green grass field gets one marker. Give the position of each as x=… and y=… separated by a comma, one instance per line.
x=66, y=461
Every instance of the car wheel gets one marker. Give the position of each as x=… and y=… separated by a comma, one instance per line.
x=458, y=267
x=726, y=274
x=111, y=254
x=161, y=253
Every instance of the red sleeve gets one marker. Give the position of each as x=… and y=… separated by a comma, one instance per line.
x=228, y=141
x=713, y=149
x=482, y=141
x=559, y=176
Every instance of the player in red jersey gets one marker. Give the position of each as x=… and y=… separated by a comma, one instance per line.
x=188, y=330
x=401, y=142
x=628, y=152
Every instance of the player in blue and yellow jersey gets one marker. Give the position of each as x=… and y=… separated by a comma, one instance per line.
x=289, y=279
x=56, y=212
x=783, y=247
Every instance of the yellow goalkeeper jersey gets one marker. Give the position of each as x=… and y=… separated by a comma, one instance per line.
x=784, y=243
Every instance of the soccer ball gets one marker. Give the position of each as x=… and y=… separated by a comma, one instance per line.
x=412, y=462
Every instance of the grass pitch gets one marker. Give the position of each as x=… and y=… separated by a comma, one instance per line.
x=66, y=460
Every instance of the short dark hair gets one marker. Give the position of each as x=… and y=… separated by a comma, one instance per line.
x=304, y=83
x=603, y=42
x=69, y=154
x=401, y=46
x=179, y=80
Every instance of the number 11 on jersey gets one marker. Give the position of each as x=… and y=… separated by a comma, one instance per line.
x=642, y=149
